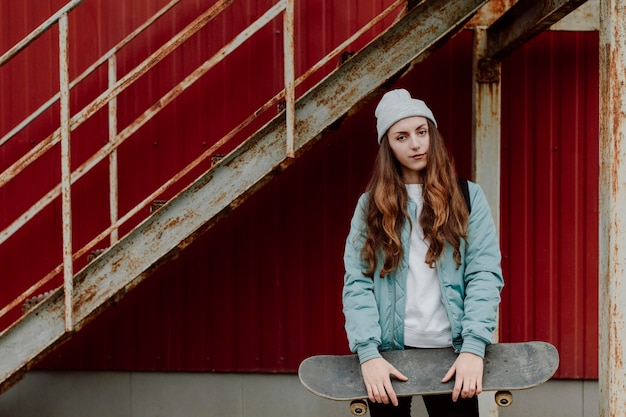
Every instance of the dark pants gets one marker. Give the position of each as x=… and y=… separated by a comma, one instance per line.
x=436, y=405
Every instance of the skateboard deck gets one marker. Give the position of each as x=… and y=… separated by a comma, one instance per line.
x=507, y=367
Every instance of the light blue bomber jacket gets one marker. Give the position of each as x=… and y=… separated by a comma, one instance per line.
x=374, y=307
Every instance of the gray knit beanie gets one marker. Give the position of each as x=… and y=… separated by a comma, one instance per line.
x=397, y=105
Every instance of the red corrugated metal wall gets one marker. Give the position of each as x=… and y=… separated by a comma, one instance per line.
x=550, y=197
x=261, y=289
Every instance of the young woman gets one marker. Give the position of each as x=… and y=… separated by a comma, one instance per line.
x=421, y=271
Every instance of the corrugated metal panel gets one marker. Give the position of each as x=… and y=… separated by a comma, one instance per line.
x=550, y=197
x=261, y=290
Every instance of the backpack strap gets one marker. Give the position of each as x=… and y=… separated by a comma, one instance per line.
x=465, y=191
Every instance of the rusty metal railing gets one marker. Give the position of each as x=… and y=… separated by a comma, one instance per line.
x=68, y=122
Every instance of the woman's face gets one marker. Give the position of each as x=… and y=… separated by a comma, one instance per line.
x=409, y=140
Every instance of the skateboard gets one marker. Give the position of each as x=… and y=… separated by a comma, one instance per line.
x=507, y=367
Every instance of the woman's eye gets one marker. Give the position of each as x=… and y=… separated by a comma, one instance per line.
x=422, y=132
x=401, y=138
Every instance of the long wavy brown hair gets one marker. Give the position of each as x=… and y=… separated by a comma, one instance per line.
x=444, y=216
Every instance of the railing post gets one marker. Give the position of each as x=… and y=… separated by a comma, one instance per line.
x=66, y=169
x=113, y=180
x=288, y=45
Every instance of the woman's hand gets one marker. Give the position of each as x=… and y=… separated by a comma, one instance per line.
x=469, y=376
x=377, y=377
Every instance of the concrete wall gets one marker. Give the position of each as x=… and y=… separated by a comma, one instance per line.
x=135, y=394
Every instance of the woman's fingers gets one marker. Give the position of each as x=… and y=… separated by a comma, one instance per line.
x=468, y=369
x=377, y=377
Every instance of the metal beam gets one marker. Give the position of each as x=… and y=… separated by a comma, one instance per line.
x=486, y=161
x=612, y=204
x=486, y=123
x=224, y=187
x=523, y=21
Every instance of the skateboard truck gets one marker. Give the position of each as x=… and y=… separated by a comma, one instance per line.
x=503, y=399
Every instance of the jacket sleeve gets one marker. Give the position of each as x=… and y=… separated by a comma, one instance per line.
x=359, y=304
x=483, y=276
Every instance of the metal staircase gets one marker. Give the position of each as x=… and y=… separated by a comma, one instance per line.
x=266, y=153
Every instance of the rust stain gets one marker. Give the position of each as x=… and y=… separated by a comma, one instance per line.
x=86, y=295
x=488, y=71
x=489, y=13
x=172, y=223
x=617, y=117
x=616, y=320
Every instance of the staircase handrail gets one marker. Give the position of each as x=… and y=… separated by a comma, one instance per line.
x=40, y=30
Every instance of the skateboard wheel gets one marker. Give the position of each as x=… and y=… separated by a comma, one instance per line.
x=358, y=407
x=504, y=398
